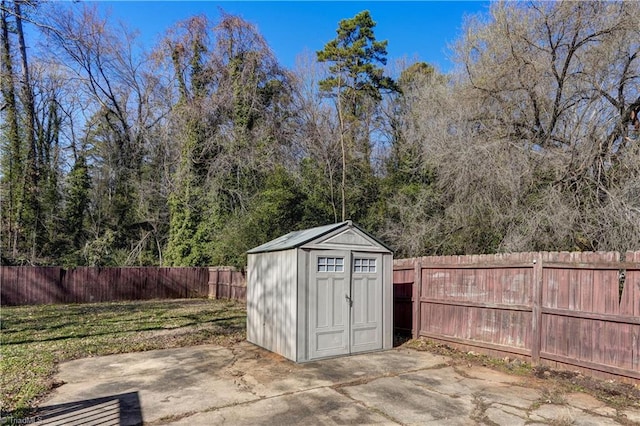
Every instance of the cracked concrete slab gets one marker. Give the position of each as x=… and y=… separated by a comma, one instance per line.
x=487, y=374
x=258, y=368
x=313, y=407
x=514, y=396
x=166, y=381
x=584, y=401
x=502, y=417
x=492, y=387
x=632, y=415
x=585, y=419
x=245, y=384
x=591, y=404
x=411, y=404
x=445, y=380
x=567, y=414
x=518, y=412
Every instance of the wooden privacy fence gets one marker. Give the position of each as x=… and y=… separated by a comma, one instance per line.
x=227, y=283
x=24, y=285
x=577, y=311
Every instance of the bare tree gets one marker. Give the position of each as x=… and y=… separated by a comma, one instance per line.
x=318, y=147
x=531, y=143
x=121, y=112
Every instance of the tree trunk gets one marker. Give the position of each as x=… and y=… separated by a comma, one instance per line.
x=344, y=152
x=30, y=204
x=14, y=166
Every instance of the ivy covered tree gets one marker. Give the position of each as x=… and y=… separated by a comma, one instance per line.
x=30, y=109
x=12, y=146
x=229, y=123
x=188, y=46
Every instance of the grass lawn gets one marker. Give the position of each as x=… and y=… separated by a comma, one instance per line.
x=34, y=339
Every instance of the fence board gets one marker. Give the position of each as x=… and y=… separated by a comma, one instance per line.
x=566, y=310
x=40, y=285
x=631, y=291
x=227, y=283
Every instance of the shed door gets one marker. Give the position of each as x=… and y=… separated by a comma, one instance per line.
x=329, y=277
x=366, y=310
x=345, y=303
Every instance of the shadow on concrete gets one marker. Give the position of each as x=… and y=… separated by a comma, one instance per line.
x=114, y=410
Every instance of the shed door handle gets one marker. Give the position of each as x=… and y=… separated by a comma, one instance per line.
x=346, y=296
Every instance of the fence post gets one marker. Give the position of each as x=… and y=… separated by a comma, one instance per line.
x=416, y=294
x=213, y=285
x=536, y=313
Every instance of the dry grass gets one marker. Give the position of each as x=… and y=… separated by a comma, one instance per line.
x=34, y=339
x=553, y=384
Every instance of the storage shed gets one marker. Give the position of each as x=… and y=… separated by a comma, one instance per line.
x=321, y=292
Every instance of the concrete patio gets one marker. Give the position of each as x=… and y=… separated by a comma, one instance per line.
x=246, y=385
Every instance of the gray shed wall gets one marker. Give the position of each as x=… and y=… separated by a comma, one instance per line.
x=272, y=301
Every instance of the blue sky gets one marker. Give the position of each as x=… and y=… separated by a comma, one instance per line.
x=421, y=29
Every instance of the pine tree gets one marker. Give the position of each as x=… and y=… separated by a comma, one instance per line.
x=356, y=84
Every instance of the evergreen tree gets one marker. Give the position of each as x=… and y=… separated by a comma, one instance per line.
x=77, y=202
x=356, y=84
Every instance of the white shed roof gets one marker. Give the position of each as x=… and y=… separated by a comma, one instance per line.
x=298, y=238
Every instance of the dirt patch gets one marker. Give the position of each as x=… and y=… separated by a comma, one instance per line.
x=195, y=335
x=553, y=382
x=614, y=394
